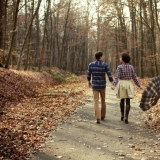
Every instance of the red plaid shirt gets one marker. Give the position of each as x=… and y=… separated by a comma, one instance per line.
x=125, y=71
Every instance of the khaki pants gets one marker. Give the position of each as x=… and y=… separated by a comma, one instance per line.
x=98, y=113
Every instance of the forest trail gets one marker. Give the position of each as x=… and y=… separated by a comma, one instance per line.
x=80, y=138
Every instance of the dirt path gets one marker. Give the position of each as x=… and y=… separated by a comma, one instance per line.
x=80, y=138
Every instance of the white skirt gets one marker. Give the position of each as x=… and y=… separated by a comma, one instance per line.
x=124, y=89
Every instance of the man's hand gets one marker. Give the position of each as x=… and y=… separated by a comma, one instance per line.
x=141, y=88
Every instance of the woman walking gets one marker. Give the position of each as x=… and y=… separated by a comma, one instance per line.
x=123, y=85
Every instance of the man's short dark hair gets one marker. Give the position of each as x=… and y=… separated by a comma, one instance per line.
x=125, y=57
x=98, y=55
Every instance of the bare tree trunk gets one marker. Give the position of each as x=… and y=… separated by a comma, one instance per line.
x=156, y=15
x=28, y=52
x=4, y=29
x=55, y=43
x=98, y=26
x=52, y=46
x=117, y=43
x=44, y=35
x=132, y=16
x=42, y=50
x=121, y=20
x=57, y=39
x=153, y=36
x=26, y=15
x=141, y=37
x=29, y=42
x=28, y=30
x=37, y=47
x=13, y=33
x=136, y=53
x=2, y=15
x=85, y=53
x=63, y=57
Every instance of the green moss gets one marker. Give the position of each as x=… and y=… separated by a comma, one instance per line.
x=71, y=77
x=61, y=76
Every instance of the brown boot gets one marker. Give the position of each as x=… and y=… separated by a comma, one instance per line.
x=122, y=110
x=98, y=121
x=127, y=113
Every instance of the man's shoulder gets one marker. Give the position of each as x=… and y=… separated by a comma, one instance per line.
x=98, y=63
x=104, y=63
x=91, y=63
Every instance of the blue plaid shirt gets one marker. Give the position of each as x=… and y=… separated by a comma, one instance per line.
x=98, y=70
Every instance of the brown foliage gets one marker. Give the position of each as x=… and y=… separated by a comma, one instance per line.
x=17, y=85
x=38, y=106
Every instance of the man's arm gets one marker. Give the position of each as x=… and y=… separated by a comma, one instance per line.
x=89, y=75
x=109, y=73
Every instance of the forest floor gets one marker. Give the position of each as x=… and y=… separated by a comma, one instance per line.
x=50, y=113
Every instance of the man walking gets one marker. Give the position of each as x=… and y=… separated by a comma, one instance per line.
x=97, y=71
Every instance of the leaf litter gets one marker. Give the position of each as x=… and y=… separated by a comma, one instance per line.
x=32, y=104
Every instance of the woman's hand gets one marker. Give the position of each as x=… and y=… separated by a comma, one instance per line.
x=113, y=87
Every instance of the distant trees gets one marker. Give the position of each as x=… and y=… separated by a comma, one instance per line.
x=144, y=36
x=13, y=31
x=138, y=33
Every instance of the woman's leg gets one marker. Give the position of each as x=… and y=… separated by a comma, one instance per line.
x=122, y=109
x=127, y=109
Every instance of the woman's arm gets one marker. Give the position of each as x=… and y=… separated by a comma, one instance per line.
x=118, y=71
x=134, y=77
